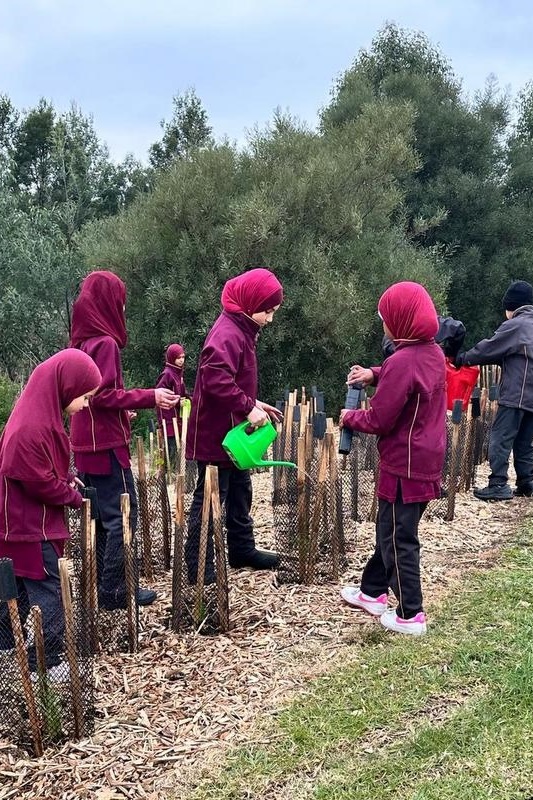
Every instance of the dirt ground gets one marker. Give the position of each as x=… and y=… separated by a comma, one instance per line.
x=166, y=711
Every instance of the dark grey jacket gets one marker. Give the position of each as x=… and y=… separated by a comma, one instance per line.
x=512, y=348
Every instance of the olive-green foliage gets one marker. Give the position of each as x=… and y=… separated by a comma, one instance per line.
x=8, y=393
x=320, y=210
x=455, y=201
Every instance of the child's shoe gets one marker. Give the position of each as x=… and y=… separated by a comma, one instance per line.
x=372, y=605
x=415, y=626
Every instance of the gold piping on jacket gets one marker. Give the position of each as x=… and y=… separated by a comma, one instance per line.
x=409, y=438
x=92, y=427
x=5, y=509
x=400, y=600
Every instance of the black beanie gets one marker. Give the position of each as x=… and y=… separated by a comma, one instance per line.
x=519, y=293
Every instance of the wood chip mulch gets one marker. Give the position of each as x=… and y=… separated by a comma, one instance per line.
x=181, y=700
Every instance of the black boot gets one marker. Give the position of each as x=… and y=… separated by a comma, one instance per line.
x=499, y=492
x=112, y=601
x=256, y=559
x=524, y=489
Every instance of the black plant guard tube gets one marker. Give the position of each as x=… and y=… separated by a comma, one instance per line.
x=353, y=400
x=8, y=583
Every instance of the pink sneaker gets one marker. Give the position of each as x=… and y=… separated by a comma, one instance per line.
x=415, y=626
x=372, y=605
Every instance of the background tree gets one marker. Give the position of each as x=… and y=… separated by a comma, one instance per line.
x=187, y=131
x=321, y=210
x=454, y=200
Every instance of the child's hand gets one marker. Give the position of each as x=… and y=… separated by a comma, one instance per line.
x=274, y=413
x=341, y=417
x=257, y=417
x=164, y=398
x=360, y=374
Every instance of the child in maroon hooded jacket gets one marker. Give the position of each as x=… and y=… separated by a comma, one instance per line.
x=408, y=414
x=100, y=434
x=225, y=394
x=172, y=378
x=35, y=486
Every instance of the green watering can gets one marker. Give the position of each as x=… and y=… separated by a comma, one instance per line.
x=246, y=449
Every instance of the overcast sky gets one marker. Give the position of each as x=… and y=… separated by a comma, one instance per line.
x=123, y=60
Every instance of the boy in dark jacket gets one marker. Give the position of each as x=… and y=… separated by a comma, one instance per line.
x=512, y=348
x=408, y=413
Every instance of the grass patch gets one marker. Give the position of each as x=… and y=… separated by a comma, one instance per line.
x=449, y=715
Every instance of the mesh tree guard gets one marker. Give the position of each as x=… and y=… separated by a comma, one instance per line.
x=111, y=630
x=361, y=466
x=155, y=521
x=197, y=603
x=46, y=668
x=311, y=515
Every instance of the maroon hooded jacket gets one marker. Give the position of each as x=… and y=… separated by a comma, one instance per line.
x=34, y=460
x=226, y=381
x=99, y=329
x=408, y=410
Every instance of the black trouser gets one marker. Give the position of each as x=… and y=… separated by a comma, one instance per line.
x=235, y=489
x=109, y=534
x=512, y=430
x=395, y=562
x=46, y=594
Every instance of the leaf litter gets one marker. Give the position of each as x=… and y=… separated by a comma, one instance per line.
x=166, y=711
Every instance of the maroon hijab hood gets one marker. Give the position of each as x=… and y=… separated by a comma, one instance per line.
x=253, y=291
x=408, y=312
x=174, y=351
x=34, y=444
x=99, y=309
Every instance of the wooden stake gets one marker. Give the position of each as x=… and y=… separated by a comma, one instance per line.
x=151, y=451
x=24, y=670
x=70, y=647
x=287, y=443
x=178, y=442
x=129, y=571
x=317, y=512
x=177, y=563
x=184, y=429
x=302, y=510
x=88, y=571
x=144, y=519
x=202, y=550
x=166, y=522
x=168, y=468
x=220, y=552
x=335, y=512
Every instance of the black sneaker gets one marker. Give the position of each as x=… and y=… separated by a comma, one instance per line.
x=145, y=597
x=113, y=601
x=524, y=489
x=501, y=492
x=256, y=559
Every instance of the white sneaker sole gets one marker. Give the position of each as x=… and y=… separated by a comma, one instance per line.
x=410, y=628
x=350, y=595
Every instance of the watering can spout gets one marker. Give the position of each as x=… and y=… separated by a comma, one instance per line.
x=246, y=448
x=277, y=464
